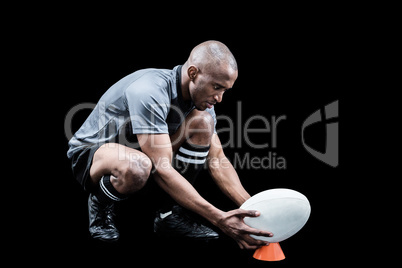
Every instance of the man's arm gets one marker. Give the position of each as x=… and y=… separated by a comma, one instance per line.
x=159, y=149
x=224, y=174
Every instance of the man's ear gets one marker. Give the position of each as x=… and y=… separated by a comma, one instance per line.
x=192, y=72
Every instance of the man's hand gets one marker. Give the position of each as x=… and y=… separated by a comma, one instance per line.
x=233, y=225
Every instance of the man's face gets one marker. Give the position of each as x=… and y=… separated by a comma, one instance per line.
x=207, y=88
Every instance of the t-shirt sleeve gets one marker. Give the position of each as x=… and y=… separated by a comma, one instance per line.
x=148, y=108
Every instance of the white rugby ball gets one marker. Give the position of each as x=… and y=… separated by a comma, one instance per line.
x=283, y=212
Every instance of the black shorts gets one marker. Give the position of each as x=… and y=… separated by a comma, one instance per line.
x=81, y=164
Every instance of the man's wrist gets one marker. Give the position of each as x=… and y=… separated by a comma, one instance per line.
x=214, y=215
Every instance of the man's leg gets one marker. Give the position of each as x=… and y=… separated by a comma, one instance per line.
x=191, y=145
x=116, y=171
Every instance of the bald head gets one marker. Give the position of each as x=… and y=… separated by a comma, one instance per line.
x=210, y=71
x=212, y=55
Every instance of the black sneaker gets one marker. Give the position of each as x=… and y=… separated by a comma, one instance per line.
x=180, y=223
x=101, y=220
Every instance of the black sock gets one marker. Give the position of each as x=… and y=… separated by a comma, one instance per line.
x=188, y=161
x=106, y=193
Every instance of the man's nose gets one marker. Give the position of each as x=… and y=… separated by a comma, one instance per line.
x=218, y=97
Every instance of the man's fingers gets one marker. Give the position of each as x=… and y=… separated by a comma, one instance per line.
x=241, y=232
x=246, y=213
x=253, y=231
x=255, y=242
x=251, y=243
x=240, y=244
x=248, y=229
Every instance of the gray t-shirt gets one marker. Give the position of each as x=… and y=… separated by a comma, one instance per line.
x=148, y=101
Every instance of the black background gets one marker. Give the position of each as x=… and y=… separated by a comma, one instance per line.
x=290, y=70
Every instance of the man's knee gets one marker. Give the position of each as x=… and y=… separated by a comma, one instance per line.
x=201, y=128
x=135, y=173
